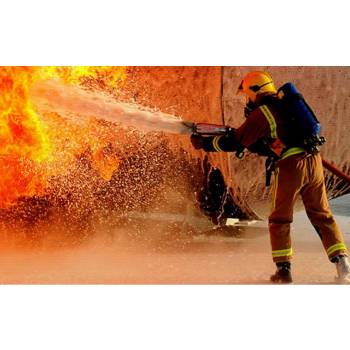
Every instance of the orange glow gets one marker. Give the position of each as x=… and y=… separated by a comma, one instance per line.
x=29, y=146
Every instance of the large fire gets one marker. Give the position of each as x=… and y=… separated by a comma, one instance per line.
x=78, y=153
x=33, y=146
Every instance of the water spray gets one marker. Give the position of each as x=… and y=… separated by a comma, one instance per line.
x=69, y=99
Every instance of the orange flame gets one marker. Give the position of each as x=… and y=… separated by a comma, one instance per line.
x=27, y=144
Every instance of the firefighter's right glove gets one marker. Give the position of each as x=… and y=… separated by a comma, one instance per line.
x=197, y=141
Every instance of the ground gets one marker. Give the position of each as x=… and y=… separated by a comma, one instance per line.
x=202, y=259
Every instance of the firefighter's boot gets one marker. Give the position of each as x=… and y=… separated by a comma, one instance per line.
x=283, y=273
x=343, y=269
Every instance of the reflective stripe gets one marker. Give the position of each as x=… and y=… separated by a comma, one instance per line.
x=270, y=118
x=216, y=143
x=292, y=151
x=283, y=252
x=274, y=191
x=335, y=247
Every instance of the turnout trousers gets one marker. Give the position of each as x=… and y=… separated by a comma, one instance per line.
x=301, y=174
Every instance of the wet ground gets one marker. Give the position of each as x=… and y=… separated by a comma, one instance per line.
x=119, y=257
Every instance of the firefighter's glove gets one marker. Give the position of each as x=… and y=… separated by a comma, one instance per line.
x=197, y=141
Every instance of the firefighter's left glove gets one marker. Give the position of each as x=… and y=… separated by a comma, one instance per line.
x=197, y=141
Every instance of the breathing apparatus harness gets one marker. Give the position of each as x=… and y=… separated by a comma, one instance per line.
x=298, y=119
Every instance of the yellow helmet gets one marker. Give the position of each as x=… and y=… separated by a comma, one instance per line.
x=256, y=83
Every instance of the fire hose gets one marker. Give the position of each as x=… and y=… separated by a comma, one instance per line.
x=214, y=129
x=327, y=165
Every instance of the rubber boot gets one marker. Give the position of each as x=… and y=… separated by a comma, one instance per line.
x=343, y=269
x=283, y=273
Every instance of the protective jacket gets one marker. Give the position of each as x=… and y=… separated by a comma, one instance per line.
x=264, y=132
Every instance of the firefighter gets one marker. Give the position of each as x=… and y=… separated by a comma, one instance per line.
x=296, y=172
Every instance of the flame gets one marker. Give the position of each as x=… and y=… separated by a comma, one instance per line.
x=29, y=146
x=111, y=76
x=21, y=133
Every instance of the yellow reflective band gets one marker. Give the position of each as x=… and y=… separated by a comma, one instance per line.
x=292, y=151
x=283, y=252
x=216, y=143
x=274, y=191
x=335, y=247
x=270, y=118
